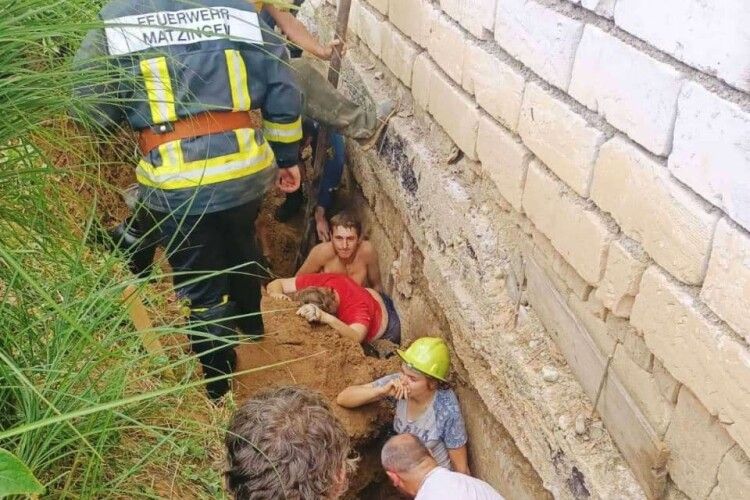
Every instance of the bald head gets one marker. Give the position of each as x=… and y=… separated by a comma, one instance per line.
x=404, y=453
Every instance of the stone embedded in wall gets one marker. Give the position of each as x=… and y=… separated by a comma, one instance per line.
x=504, y=158
x=456, y=112
x=668, y=386
x=414, y=18
x=398, y=53
x=641, y=386
x=632, y=91
x=476, y=16
x=701, y=354
x=713, y=37
x=560, y=137
x=669, y=221
x=446, y=47
x=371, y=27
x=712, y=150
x=541, y=38
x=421, y=79
x=626, y=262
x=580, y=234
x=498, y=88
x=733, y=480
x=697, y=444
x=726, y=289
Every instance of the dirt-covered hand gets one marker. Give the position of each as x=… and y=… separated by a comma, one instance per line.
x=288, y=179
x=310, y=312
x=327, y=52
x=323, y=229
x=280, y=296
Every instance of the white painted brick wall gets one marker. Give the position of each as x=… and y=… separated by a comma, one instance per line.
x=641, y=386
x=370, y=26
x=504, y=158
x=711, y=36
x=541, y=38
x=476, y=16
x=398, y=53
x=669, y=221
x=625, y=266
x=697, y=444
x=604, y=8
x=456, y=112
x=727, y=286
x=733, y=479
x=632, y=91
x=421, y=79
x=414, y=18
x=380, y=5
x=701, y=354
x=498, y=88
x=579, y=234
x=560, y=137
x=712, y=150
x=446, y=46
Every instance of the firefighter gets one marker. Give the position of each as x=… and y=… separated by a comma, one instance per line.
x=184, y=74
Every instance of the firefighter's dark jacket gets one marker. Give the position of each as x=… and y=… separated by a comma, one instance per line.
x=157, y=61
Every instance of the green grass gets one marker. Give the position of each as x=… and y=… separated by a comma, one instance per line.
x=81, y=403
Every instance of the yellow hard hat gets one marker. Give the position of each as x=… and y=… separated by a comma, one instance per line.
x=428, y=355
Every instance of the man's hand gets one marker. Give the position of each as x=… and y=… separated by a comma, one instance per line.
x=326, y=53
x=310, y=312
x=321, y=224
x=288, y=179
x=395, y=389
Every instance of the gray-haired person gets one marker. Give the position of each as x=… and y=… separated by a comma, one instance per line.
x=412, y=470
x=286, y=443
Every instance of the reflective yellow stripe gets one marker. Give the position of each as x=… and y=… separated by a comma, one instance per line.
x=283, y=132
x=250, y=159
x=238, y=82
x=159, y=89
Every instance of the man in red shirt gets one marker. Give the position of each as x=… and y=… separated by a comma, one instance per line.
x=357, y=313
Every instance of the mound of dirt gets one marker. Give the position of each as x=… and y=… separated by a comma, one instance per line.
x=335, y=364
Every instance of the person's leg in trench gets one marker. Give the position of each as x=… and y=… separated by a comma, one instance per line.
x=195, y=249
x=244, y=281
x=326, y=105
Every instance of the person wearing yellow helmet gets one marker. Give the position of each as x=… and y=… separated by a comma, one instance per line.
x=425, y=407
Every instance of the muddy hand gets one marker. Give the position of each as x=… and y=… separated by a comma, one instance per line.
x=288, y=179
x=310, y=312
x=280, y=296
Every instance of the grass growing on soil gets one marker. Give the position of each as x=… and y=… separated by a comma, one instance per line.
x=81, y=403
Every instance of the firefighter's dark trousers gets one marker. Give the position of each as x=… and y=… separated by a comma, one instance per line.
x=215, y=263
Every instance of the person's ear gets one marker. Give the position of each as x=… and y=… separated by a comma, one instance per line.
x=395, y=479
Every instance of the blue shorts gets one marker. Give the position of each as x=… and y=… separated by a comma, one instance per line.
x=393, y=329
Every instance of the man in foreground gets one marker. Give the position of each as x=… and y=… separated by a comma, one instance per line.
x=347, y=253
x=286, y=443
x=412, y=470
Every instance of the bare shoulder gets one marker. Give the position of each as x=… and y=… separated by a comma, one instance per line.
x=323, y=250
x=367, y=250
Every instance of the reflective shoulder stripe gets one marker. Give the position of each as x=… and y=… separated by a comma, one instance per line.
x=250, y=159
x=159, y=89
x=238, y=80
x=283, y=132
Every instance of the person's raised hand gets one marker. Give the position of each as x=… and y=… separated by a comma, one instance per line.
x=395, y=389
x=288, y=179
x=322, y=228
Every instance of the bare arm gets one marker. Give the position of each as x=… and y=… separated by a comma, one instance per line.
x=298, y=34
x=314, y=262
x=355, y=331
x=373, y=271
x=460, y=459
x=358, y=395
x=281, y=288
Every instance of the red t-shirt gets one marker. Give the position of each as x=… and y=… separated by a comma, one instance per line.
x=356, y=304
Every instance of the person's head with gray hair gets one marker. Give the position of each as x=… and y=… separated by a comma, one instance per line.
x=406, y=462
x=286, y=443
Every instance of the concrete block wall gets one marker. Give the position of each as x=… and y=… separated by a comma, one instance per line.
x=616, y=135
